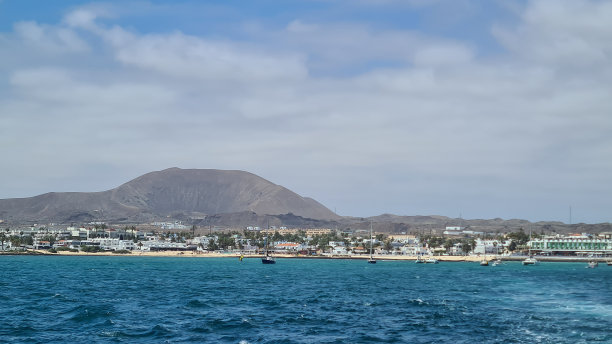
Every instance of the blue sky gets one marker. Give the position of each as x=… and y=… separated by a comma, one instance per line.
x=484, y=108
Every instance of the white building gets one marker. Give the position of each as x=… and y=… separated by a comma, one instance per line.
x=572, y=244
x=415, y=250
x=488, y=246
x=159, y=245
x=113, y=244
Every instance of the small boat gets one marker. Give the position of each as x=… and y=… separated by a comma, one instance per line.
x=484, y=262
x=431, y=261
x=419, y=260
x=530, y=261
x=371, y=260
x=267, y=259
x=609, y=262
x=497, y=262
x=592, y=264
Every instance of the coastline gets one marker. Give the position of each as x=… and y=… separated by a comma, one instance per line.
x=196, y=254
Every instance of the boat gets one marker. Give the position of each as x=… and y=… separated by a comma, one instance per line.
x=431, y=261
x=267, y=259
x=531, y=259
x=371, y=260
x=496, y=261
x=420, y=260
x=609, y=262
x=592, y=264
x=484, y=262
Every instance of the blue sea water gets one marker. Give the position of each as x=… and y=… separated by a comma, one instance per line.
x=47, y=299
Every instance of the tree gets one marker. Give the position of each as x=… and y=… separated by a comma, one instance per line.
x=277, y=236
x=2, y=239
x=49, y=238
x=226, y=240
x=467, y=245
x=520, y=237
x=448, y=244
x=212, y=246
x=15, y=241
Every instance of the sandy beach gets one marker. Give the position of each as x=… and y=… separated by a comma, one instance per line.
x=196, y=254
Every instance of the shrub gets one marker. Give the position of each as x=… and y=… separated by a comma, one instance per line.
x=122, y=252
x=52, y=250
x=91, y=248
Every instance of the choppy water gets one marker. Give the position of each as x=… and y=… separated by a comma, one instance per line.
x=191, y=300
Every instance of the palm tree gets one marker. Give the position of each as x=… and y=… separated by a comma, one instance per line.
x=15, y=241
x=2, y=239
x=388, y=245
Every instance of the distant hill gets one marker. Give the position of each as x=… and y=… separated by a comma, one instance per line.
x=193, y=193
x=435, y=224
x=236, y=199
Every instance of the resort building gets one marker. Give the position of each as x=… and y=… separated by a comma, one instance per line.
x=572, y=245
x=171, y=225
x=415, y=250
x=404, y=238
x=489, y=246
x=288, y=247
x=317, y=231
x=162, y=245
x=114, y=244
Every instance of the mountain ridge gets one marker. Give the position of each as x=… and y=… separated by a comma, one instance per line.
x=158, y=194
x=234, y=198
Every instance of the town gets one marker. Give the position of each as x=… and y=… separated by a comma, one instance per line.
x=311, y=242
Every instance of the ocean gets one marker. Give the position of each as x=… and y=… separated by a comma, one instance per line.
x=46, y=299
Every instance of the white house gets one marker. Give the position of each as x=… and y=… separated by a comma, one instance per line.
x=488, y=246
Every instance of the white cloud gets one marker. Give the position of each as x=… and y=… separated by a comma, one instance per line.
x=441, y=55
x=563, y=33
x=50, y=39
x=183, y=56
x=412, y=116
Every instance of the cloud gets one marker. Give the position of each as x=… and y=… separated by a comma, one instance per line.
x=182, y=56
x=326, y=109
x=50, y=39
x=85, y=17
x=563, y=33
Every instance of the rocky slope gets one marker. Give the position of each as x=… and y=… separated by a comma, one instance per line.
x=157, y=195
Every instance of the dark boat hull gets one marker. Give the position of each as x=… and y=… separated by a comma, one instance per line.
x=268, y=260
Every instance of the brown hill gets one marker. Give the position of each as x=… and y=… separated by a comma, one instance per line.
x=160, y=194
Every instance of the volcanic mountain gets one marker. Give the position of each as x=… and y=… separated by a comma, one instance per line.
x=192, y=192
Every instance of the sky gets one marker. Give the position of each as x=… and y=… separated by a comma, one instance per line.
x=478, y=109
